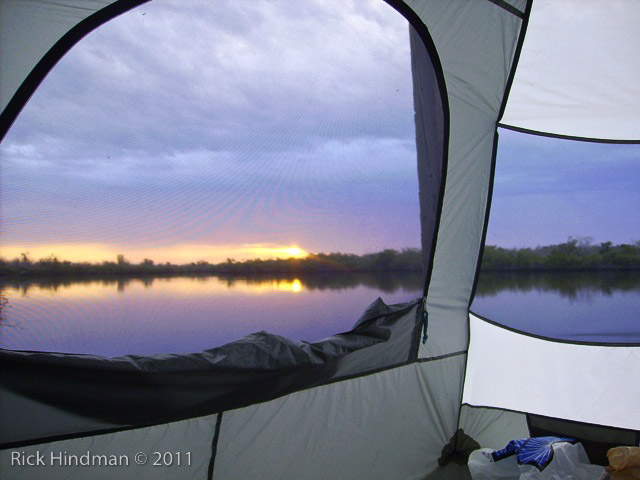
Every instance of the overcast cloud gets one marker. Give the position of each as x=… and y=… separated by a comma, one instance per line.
x=167, y=78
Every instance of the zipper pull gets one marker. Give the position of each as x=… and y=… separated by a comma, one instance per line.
x=425, y=321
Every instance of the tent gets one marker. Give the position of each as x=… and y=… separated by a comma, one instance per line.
x=412, y=386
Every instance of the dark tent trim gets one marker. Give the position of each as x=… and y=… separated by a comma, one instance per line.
x=516, y=58
x=487, y=214
x=49, y=60
x=442, y=357
x=596, y=440
x=485, y=227
x=556, y=340
x=264, y=367
x=108, y=431
x=417, y=329
x=509, y=8
x=73, y=436
x=522, y=412
x=567, y=137
x=214, y=447
x=626, y=431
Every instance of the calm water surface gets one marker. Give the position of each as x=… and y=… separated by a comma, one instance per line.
x=582, y=306
x=183, y=314
x=113, y=317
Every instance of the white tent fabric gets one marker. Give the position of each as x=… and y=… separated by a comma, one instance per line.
x=575, y=76
x=519, y=372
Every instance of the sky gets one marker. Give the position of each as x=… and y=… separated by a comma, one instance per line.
x=262, y=127
x=547, y=190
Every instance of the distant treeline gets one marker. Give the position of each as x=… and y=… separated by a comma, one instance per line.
x=407, y=260
x=575, y=254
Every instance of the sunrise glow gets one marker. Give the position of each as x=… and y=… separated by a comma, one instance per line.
x=176, y=254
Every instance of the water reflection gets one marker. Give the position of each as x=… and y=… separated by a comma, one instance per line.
x=124, y=315
x=206, y=284
x=581, y=306
x=571, y=285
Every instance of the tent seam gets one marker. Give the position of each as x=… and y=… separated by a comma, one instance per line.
x=541, y=133
x=555, y=340
x=214, y=446
x=71, y=436
x=507, y=7
x=522, y=412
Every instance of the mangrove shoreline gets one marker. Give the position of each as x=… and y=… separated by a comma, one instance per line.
x=573, y=255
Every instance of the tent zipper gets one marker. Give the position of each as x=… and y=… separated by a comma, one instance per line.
x=425, y=321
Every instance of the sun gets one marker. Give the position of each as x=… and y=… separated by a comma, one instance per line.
x=294, y=252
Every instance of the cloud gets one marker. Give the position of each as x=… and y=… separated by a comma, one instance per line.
x=246, y=77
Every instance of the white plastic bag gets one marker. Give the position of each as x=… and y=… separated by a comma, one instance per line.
x=483, y=467
x=569, y=462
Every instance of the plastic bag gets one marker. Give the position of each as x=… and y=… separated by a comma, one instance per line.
x=569, y=462
x=624, y=463
x=483, y=467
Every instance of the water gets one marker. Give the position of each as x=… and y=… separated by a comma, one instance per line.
x=184, y=314
x=581, y=306
x=117, y=316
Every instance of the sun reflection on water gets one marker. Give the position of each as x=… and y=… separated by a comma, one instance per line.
x=162, y=286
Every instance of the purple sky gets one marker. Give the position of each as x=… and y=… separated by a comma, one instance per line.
x=547, y=190
x=271, y=123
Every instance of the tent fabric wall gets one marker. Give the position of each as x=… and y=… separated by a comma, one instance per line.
x=492, y=427
x=424, y=392
x=192, y=437
x=385, y=425
x=577, y=76
x=519, y=372
x=476, y=64
x=325, y=432
x=281, y=438
x=475, y=88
